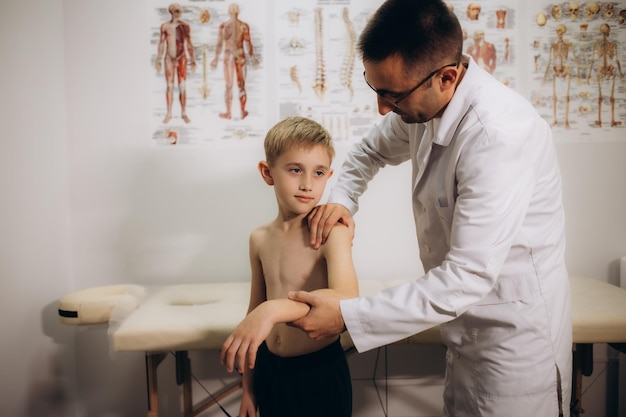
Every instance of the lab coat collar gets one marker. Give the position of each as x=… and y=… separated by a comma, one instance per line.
x=459, y=105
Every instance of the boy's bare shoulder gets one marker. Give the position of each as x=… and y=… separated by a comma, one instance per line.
x=339, y=235
x=259, y=234
x=341, y=229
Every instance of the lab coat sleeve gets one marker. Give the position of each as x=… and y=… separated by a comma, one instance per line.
x=495, y=177
x=387, y=143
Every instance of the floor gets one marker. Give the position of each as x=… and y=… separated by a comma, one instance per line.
x=396, y=381
x=406, y=389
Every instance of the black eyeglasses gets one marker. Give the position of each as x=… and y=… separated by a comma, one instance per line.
x=395, y=98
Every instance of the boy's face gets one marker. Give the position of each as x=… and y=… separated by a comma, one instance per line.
x=299, y=177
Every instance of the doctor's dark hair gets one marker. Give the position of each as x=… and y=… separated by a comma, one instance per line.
x=425, y=33
x=296, y=132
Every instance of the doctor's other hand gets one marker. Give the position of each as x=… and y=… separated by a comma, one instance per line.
x=243, y=343
x=323, y=218
x=324, y=319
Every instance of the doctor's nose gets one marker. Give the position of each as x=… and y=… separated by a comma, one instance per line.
x=384, y=106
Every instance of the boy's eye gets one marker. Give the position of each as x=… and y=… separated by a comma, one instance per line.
x=296, y=170
x=320, y=173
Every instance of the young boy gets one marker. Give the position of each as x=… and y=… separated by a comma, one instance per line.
x=285, y=373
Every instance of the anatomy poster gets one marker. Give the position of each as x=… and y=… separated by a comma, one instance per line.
x=208, y=76
x=491, y=36
x=577, y=81
x=221, y=72
x=319, y=74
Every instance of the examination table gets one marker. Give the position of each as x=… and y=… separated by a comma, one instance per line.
x=180, y=318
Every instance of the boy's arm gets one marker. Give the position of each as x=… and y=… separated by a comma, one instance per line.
x=342, y=283
x=342, y=279
x=257, y=297
x=242, y=344
x=257, y=279
x=248, y=406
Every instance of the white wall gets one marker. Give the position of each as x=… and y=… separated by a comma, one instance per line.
x=36, y=352
x=594, y=191
x=87, y=200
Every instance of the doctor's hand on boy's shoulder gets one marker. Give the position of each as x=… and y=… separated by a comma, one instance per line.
x=323, y=218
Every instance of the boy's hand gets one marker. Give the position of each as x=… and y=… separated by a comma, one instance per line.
x=242, y=344
x=323, y=218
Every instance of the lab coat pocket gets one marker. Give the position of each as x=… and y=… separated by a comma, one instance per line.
x=516, y=356
x=509, y=289
x=501, y=361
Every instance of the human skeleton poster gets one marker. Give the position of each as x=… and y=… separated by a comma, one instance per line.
x=221, y=72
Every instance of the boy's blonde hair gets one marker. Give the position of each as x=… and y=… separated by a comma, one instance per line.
x=296, y=132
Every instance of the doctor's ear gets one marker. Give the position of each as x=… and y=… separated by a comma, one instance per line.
x=449, y=77
x=266, y=172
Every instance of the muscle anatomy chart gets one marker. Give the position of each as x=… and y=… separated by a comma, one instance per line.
x=208, y=77
x=490, y=32
x=222, y=72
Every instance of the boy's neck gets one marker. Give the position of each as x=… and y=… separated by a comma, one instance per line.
x=287, y=222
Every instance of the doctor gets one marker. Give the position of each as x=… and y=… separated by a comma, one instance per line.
x=488, y=216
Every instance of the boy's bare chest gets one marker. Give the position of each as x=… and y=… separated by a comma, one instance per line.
x=289, y=265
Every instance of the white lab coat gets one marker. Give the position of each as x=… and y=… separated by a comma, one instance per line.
x=490, y=225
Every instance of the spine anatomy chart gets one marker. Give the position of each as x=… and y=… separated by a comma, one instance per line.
x=319, y=84
x=317, y=48
x=347, y=69
x=222, y=72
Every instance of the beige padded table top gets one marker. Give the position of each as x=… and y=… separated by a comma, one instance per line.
x=201, y=316
x=184, y=317
x=598, y=311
